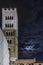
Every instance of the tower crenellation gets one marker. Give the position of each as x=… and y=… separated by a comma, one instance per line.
x=8, y=9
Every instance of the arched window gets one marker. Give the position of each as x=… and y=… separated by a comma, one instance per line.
x=5, y=17
x=10, y=41
x=5, y=25
x=9, y=33
x=8, y=17
x=12, y=17
x=9, y=49
x=12, y=25
x=6, y=33
x=8, y=25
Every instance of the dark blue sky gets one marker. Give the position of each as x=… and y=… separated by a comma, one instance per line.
x=31, y=26
x=30, y=22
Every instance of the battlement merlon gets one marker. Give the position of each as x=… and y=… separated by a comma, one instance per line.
x=9, y=10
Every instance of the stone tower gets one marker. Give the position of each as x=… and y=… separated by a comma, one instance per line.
x=10, y=30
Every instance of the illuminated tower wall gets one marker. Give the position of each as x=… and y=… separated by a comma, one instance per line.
x=10, y=30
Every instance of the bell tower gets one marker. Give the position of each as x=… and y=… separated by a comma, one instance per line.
x=10, y=30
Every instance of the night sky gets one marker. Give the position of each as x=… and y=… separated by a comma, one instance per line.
x=30, y=25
